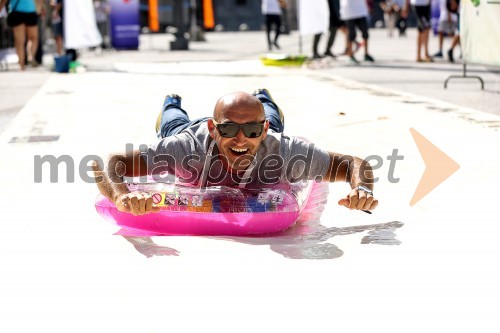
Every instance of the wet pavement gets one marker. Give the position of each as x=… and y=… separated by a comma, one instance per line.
x=426, y=267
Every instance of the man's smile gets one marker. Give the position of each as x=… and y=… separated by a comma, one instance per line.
x=239, y=151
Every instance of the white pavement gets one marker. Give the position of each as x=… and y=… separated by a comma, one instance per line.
x=62, y=270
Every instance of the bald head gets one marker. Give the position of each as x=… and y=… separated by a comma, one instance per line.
x=236, y=104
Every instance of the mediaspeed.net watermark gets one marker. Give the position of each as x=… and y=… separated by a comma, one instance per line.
x=189, y=168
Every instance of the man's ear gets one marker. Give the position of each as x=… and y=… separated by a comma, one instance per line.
x=266, y=128
x=211, y=128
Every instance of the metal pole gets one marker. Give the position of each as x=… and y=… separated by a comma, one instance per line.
x=298, y=26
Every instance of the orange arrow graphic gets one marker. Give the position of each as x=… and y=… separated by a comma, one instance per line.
x=438, y=167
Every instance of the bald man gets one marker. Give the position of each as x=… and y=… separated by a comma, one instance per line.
x=242, y=145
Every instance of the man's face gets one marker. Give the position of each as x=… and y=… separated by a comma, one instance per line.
x=237, y=152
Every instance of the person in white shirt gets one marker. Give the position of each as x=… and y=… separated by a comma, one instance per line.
x=454, y=7
x=447, y=25
x=355, y=13
x=271, y=9
x=422, y=9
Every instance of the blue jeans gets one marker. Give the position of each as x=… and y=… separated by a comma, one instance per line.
x=174, y=119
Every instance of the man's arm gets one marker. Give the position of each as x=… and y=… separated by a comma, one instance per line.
x=109, y=179
x=358, y=173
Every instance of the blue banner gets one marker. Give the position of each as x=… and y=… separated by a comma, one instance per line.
x=124, y=21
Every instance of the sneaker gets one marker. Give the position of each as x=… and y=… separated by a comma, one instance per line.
x=450, y=55
x=369, y=58
x=172, y=100
x=316, y=56
x=438, y=55
x=34, y=63
x=354, y=60
x=329, y=54
x=268, y=96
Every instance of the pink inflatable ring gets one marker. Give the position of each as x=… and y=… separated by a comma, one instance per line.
x=216, y=210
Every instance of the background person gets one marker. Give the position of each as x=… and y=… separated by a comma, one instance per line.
x=447, y=25
x=391, y=10
x=453, y=6
x=355, y=15
x=422, y=9
x=23, y=19
x=57, y=24
x=271, y=9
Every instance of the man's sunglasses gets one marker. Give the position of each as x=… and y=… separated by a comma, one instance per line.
x=230, y=130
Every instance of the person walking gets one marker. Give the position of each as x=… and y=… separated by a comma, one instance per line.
x=447, y=25
x=271, y=9
x=355, y=14
x=23, y=19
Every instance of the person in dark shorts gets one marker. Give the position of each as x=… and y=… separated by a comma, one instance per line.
x=355, y=14
x=23, y=19
x=422, y=9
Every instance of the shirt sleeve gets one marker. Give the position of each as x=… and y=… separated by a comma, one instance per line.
x=305, y=161
x=175, y=156
x=164, y=156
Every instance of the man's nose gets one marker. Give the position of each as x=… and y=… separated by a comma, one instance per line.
x=240, y=136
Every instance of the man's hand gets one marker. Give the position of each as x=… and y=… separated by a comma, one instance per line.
x=359, y=199
x=136, y=203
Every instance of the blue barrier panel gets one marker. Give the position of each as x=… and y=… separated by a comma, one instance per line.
x=124, y=21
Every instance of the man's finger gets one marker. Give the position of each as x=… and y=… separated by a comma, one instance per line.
x=361, y=201
x=143, y=197
x=344, y=202
x=367, y=203
x=353, y=201
x=134, y=203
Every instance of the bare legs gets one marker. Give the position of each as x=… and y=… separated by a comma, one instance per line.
x=19, y=42
x=32, y=43
x=59, y=45
x=20, y=33
x=423, y=43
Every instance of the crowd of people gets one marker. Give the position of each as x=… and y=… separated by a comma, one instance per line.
x=28, y=19
x=351, y=16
